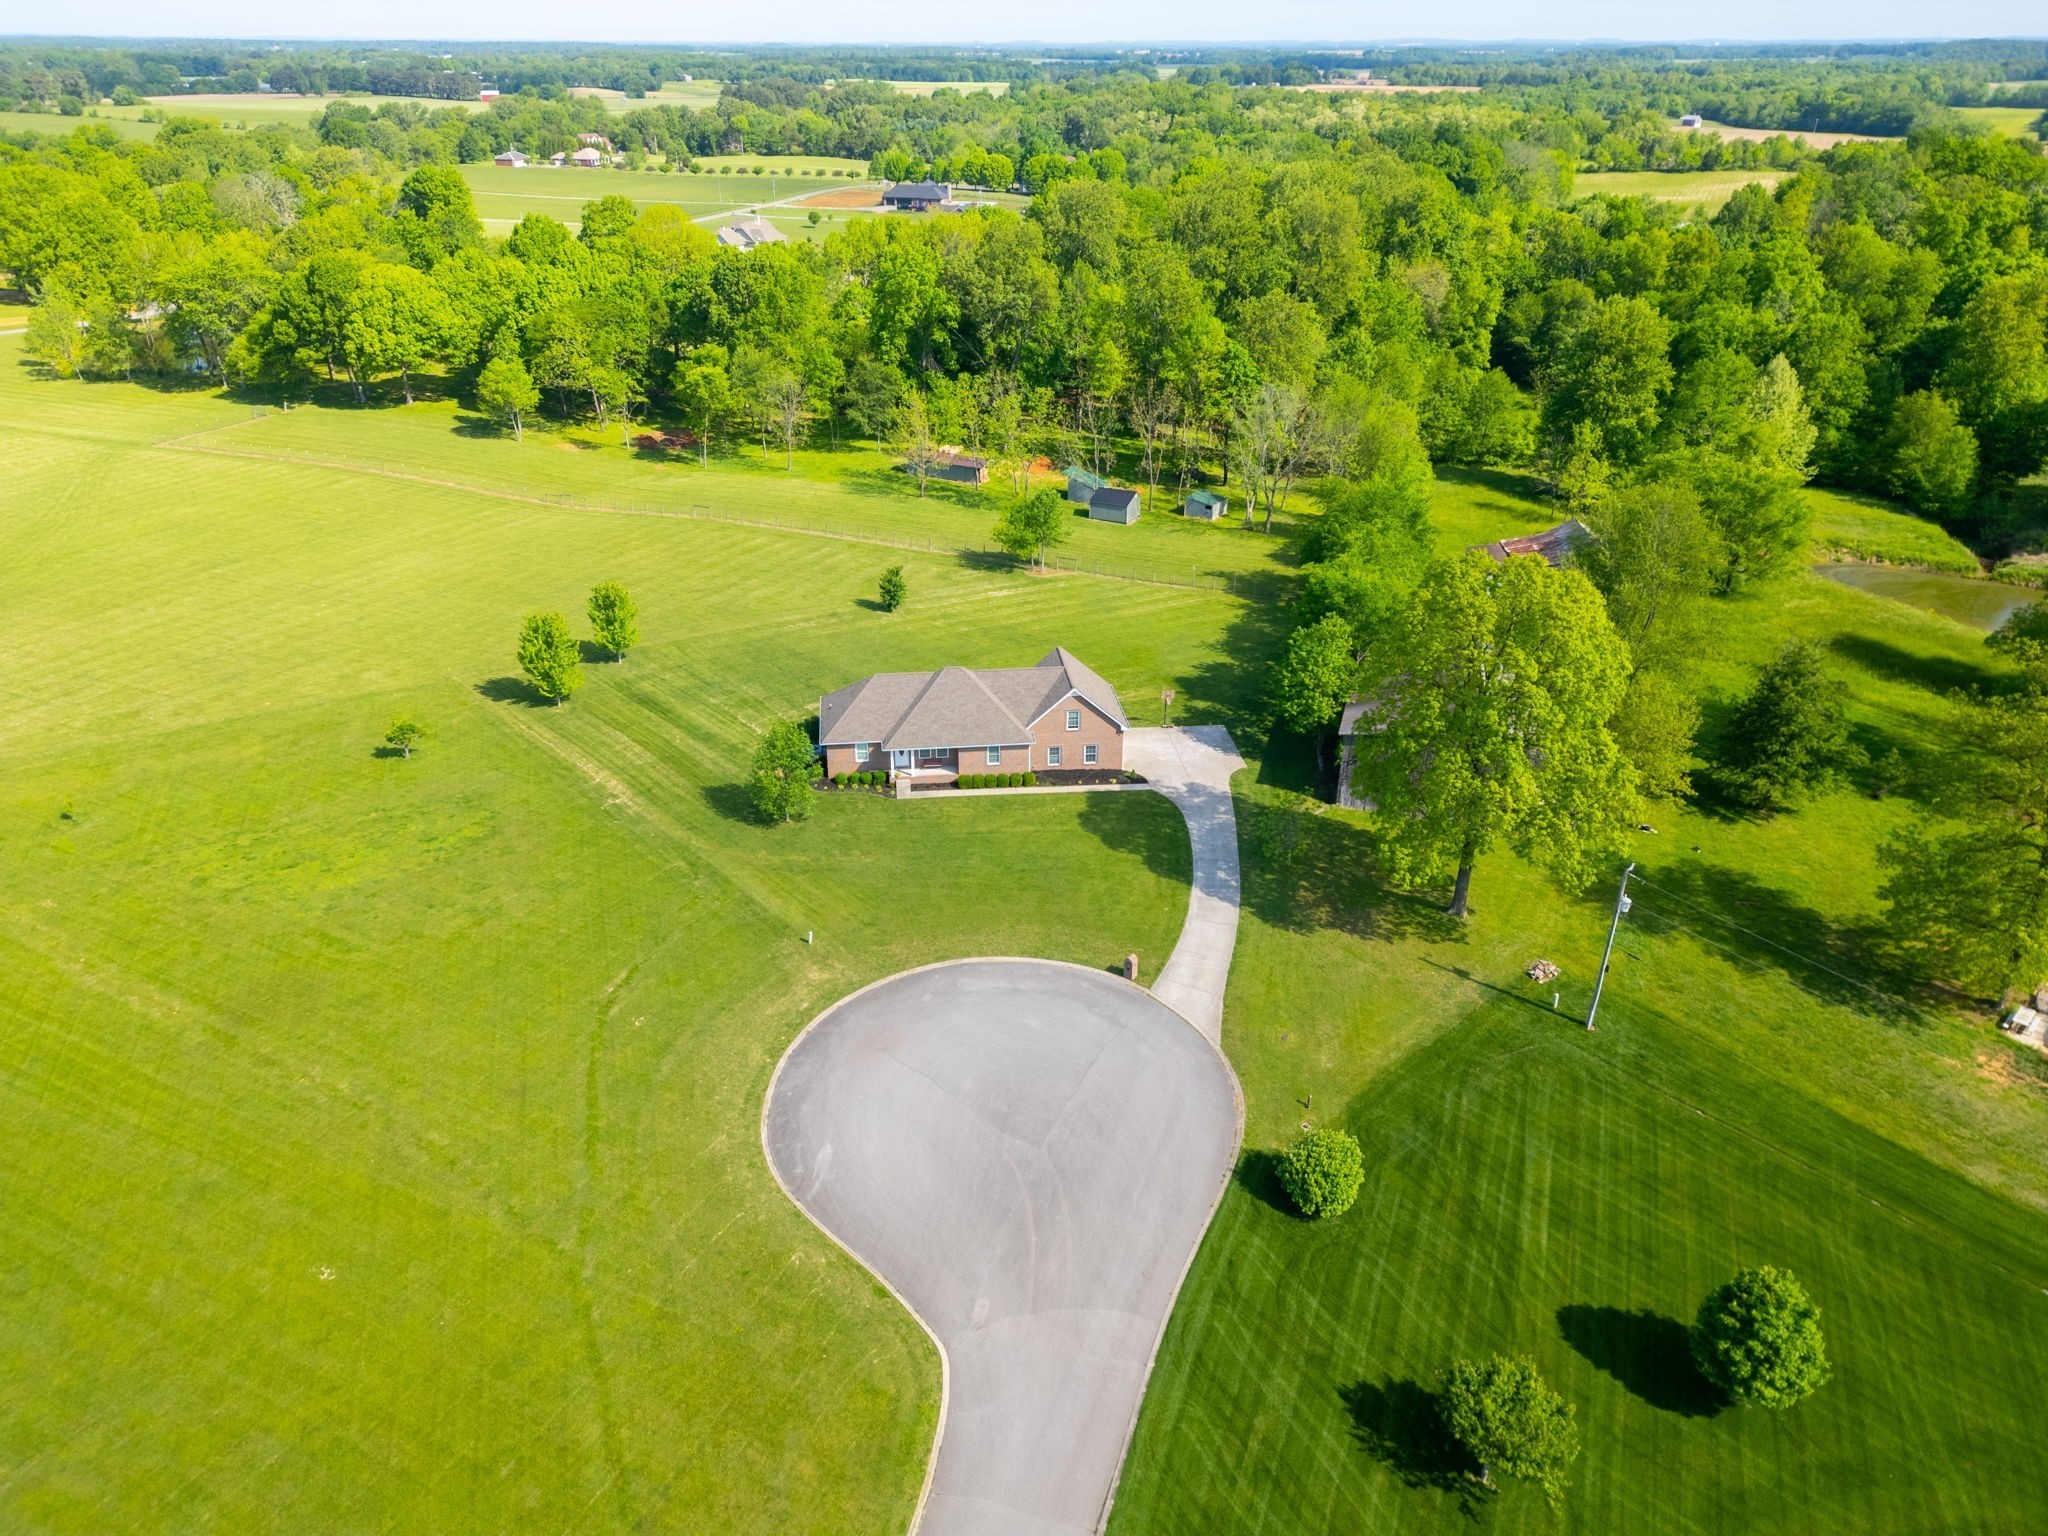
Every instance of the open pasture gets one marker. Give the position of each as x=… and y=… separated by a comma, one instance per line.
x=1814, y=140
x=2013, y=122
x=1704, y=190
x=391, y=1125
x=964, y=87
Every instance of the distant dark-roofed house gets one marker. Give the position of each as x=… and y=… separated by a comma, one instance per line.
x=967, y=468
x=511, y=157
x=1058, y=717
x=1205, y=504
x=915, y=196
x=1082, y=486
x=1113, y=504
x=1553, y=544
x=1690, y=120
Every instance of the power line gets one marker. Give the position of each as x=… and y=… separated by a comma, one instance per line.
x=1854, y=981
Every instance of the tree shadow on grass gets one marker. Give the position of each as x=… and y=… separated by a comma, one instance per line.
x=1937, y=673
x=1308, y=869
x=1258, y=1175
x=591, y=654
x=513, y=690
x=1766, y=928
x=1650, y=1355
x=1400, y=1424
x=735, y=802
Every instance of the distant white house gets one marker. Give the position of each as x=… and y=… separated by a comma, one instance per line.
x=588, y=157
x=511, y=157
x=1690, y=120
x=745, y=234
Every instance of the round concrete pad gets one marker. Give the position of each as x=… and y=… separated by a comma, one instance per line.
x=1028, y=1153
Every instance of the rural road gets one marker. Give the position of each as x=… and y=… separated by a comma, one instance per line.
x=1027, y=1153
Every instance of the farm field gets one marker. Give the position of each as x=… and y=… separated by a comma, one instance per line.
x=53, y=123
x=1815, y=140
x=1706, y=190
x=785, y=165
x=401, y=1115
x=964, y=87
x=853, y=490
x=505, y=195
x=695, y=94
x=2014, y=122
x=267, y=107
x=1535, y=1189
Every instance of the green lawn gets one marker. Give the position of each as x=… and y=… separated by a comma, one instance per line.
x=60, y=126
x=505, y=195
x=1868, y=529
x=382, y=1146
x=1706, y=190
x=1536, y=1189
x=852, y=489
x=383, y=1140
x=2014, y=122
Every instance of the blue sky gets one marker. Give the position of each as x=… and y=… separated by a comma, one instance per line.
x=1073, y=21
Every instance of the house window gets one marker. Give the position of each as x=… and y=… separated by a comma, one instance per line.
x=1088, y=755
x=1073, y=719
x=860, y=751
x=926, y=753
x=1052, y=757
x=995, y=756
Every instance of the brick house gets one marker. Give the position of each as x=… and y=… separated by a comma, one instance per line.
x=1056, y=717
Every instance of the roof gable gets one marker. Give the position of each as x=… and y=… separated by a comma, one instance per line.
x=959, y=707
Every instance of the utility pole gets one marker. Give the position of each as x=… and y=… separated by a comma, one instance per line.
x=1620, y=907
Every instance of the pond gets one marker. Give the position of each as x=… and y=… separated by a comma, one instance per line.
x=1979, y=604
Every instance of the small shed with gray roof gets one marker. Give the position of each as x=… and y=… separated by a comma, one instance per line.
x=1114, y=504
x=1206, y=504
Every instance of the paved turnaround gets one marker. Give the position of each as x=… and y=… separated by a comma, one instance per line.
x=1027, y=1153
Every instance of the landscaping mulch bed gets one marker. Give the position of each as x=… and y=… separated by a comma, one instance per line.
x=1056, y=777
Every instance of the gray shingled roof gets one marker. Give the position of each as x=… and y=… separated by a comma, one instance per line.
x=956, y=707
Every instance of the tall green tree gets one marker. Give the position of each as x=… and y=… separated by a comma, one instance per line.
x=1493, y=722
x=784, y=766
x=549, y=656
x=1654, y=556
x=614, y=620
x=505, y=390
x=1316, y=673
x=1928, y=456
x=1511, y=1421
x=1968, y=893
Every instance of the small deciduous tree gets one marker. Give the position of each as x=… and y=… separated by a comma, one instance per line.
x=504, y=389
x=548, y=655
x=1033, y=524
x=895, y=587
x=614, y=620
x=403, y=735
x=2023, y=637
x=1510, y=1420
x=1316, y=674
x=1929, y=456
x=1788, y=736
x=1758, y=1339
x=1321, y=1171
x=783, y=768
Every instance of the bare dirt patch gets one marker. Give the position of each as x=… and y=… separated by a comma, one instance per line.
x=842, y=197
x=1814, y=140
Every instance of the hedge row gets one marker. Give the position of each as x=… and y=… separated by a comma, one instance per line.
x=858, y=780
x=998, y=780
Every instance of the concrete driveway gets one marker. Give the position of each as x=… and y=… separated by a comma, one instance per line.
x=1027, y=1153
x=1191, y=766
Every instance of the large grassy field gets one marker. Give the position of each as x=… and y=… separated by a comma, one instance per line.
x=1705, y=190
x=851, y=490
x=384, y=1144
x=1756, y=1093
x=2014, y=122
x=505, y=195
x=382, y=1147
